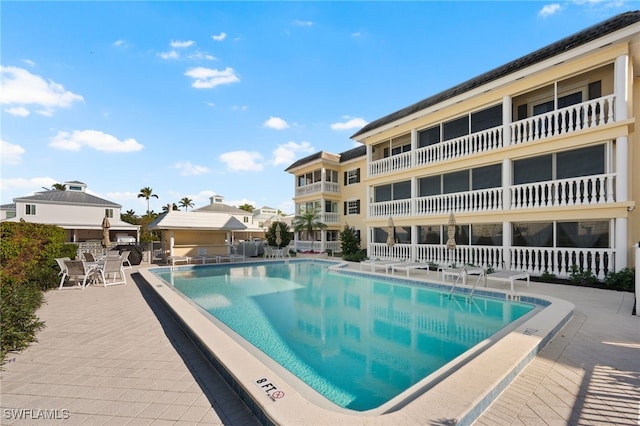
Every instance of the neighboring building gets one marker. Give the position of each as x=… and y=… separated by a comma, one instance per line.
x=216, y=205
x=196, y=233
x=265, y=216
x=331, y=185
x=537, y=159
x=79, y=213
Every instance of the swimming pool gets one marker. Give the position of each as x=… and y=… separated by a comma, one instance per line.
x=374, y=313
x=358, y=341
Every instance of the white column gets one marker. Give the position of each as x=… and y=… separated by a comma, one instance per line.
x=506, y=244
x=507, y=180
x=369, y=156
x=621, y=90
x=171, y=243
x=414, y=243
x=414, y=146
x=506, y=120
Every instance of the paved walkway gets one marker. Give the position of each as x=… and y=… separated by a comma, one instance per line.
x=115, y=356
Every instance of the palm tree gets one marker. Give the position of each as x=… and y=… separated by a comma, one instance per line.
x=147, y=193
x=308, y=222
x=170, y=206
x=186, y=202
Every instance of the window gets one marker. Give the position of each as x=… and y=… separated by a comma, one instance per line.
x=245, y=219
x=536, y=169
x=30, y=209
x=533, y=234
x=352, y=207
x=429, y=235
x=488, y=234
x=587, y=234
x=331, y=176
x=455, y=128
x=332, y=236
x=331, y=207
x=486, y=119
x=578, y=162
x=486, y=177
x=429, y=136
x=394, y=191
x=108, y=213
x=455, y=182
x=352, y=176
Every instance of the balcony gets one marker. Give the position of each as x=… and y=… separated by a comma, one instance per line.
x=329, y=218
x=578, y=191
x=583, y=116
x=317, y=187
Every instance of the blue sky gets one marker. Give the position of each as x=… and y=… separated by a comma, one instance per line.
x=200, y=98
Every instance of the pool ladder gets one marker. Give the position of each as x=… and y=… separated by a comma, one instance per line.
x=463, y=276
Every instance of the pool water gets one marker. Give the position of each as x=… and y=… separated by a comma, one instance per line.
x=357, y=340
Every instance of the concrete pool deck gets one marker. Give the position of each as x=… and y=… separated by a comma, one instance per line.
x=115, y=355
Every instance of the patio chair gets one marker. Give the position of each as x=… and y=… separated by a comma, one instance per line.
x=268, y=252
x=88, y=257
x=124, y=257
x=510, y=277
x=75, y=269
x=60, y=261
x=110, y=270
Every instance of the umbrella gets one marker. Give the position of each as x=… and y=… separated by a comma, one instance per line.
x=451, y=232
x=391, y=233
x=278, y=235
x=105, y=232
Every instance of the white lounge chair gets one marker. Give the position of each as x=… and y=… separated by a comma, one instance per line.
x=458, y=273
x=382, y=264
x=75, y=269
x=409, y=266
x=178, y=259
x=60, y=261
x=124, y=257
x=510, y=277
x=112, y=267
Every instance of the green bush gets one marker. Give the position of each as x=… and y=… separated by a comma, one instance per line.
x=349, y=242
x=358, y=256
x=582, y=276
x=624, y=280
x=548, y=277
x=27, y=268
x=276, y=228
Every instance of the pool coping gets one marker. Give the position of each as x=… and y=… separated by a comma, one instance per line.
x=460, y=398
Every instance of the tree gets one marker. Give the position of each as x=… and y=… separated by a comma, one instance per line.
x=147, y=193
x=276, y=228
x=170, y=206
x=186, y=202
x=246, y=207
x=129, y=216
x=308, y=222
x=349, y=241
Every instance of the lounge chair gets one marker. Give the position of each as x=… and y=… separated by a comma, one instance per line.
x=459, y=273
x=124, y=257
x=75, y=269
x=112, y=267
x=409, y=266
x=178, y=259
x=268, y=252
x=510, y=277
x=383, y=264
x=88, y=257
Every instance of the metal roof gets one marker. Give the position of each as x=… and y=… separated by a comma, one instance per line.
x=66, y=197
x=197, y=220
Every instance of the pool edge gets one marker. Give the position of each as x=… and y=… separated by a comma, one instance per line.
x=458, y=395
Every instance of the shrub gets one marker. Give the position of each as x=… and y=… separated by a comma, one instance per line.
x=623, y=280
x=582, y=276
x=548, y=277
x=358, y=256
x=349, y=242
x=27, y=268
x=272, y=233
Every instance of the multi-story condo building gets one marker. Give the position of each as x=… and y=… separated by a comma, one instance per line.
x=537, y=160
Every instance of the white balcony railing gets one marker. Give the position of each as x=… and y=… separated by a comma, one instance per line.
x=585, y=190
x=395, y=208
x=562, y=261
x=330, y=218
x=586, y=115
x=486, y=140
x=472, y=201
x=317, y=187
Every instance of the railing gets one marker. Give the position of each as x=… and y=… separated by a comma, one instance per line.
x=395, y=208
x=390, y=164
x=586, y=115
x=395, y=252
x=586, y=190
x=317, y=187
x=561, y=262
x=472, y=201
x=330, y=217
x=486, y=140
x=317, y=246
x=462, y=255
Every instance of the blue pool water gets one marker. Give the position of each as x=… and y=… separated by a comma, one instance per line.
x=357, y=340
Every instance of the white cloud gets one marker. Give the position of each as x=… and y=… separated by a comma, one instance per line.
x=30, y=184
x=219, y=37
x=300, y=23
x=201, y=56
x=172, y=54
x=120, y=43
x=549, y=10
x=93, y=139
x=276, y=123
x=181, y=44
x=11, y=154
x=207, y=78
x=351, y=123
x=238, y=203
x=188, y=169
x=29, y=62
x=239, y=107
x=18, y=111
x=288, y=152
x=19, y=87
x=246, y=161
